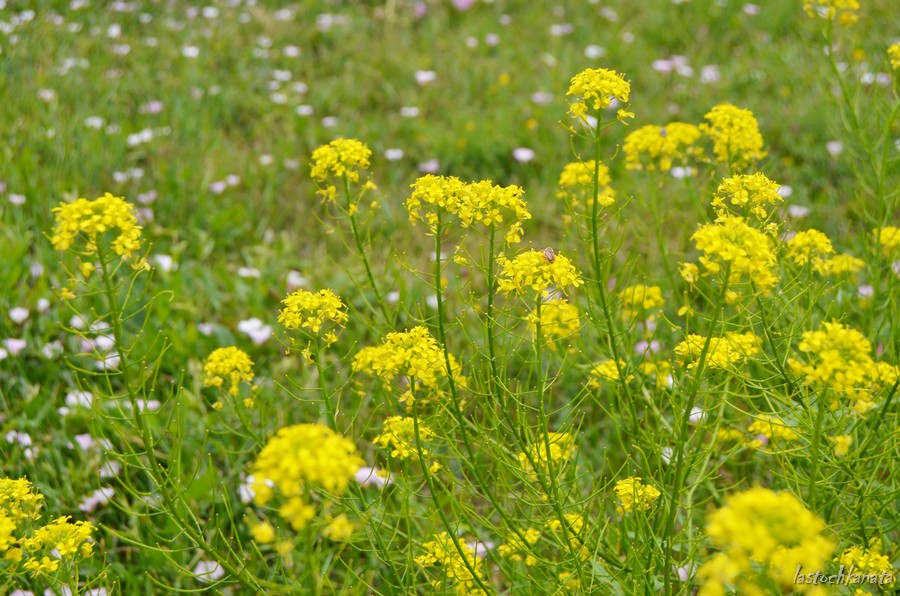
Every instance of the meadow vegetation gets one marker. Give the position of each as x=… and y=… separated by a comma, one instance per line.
x=463, y=297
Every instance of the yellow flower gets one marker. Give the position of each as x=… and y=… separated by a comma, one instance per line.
x=634, y=495
x=844, y=11
x=638, y=299
x=91, y=219
x=751, y=193
x=339, y=529
x=310, y=310
x=723, y=352
x=414, y=354
x=839, y=358
x=868, y=561
x=538, y=271
x=231, y=364
x=839, y=265
x=762, y=534
x=607, y=370
x=399, y=435
x=299, y=458
x=67, y=538
x=888, y=237
x=893, y=53
x=658, y=147
x=559, y=319
x=263, y=532
x=562, y=447
x=19, y=500
x=480, y=202
x=443, y=552
x=339, y=159
x=595, y=89
x=576, y=183
x=515, y=546
x=809, y=246
x=842, y=444
x=745, y=251
x=735, y=134
x=772, y=428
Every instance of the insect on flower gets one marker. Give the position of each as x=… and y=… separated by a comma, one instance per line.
x=549, y=255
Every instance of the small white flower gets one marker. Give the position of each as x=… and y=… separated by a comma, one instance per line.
x=16, y=199
x=594, y=51
x=208, y=571
x=492, y=39
x=680, y=172
x=23, y=439
x=51, y=350
x=14, y=345
x=108, y=362
x=481, y=548
x=256, y=330
x=697, y=415
x=101, y=496
x=542, y=97
x=217, y=187
x=666, y=454
x=393, y=297
x=865, y=291
x=190, y=51
x=266, y=160
x=95, y=122
x=295, y=280
x=368, y=476
x=79, y=398
x=304, y=110
x=43, y=305
x=110, y=469
x=165, y=262
x=710, y=74
x=424, y=77
x=432, y=301
x=85, y=441
x=409, y=112
x=248, y=272
x=19, y=315
x=232, y=179
x=291, y=51
x=393, y=154
x=523, y=154
x=206, y=328
x=834, y=148
x=432, y=166
x=329, y=121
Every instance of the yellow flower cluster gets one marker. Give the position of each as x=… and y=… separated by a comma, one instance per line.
x=634, y=495
x=92, y=219
x=562, y=447
x=296, y=460
x=474, y=202
x=888, y=237
x=310, y=310
x=339, y=529
x=772, y=428
x=658, y=147
x=735, y=134
x=414, y=354
x=638, y=299
x=750, y=193
x=537, y=270
x=724, y=352
x=839, y=359
x=893, y=53
x=659, y=371
x=515, y=546
x=764, y=536
x=839, y=265
x=19, y=502
x=844, y=12
x=576, y=183
x=559, y=319
x=442, y=552
x=399, y=435
x=339, y=159
x=745, y=251
x=607, y=371
x=231, y=364
x=868, y=561
x=809, y=246
x=595, y=89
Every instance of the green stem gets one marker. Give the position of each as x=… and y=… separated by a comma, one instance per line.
x=680, y=471
x=362, y=253
x=156, y=469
